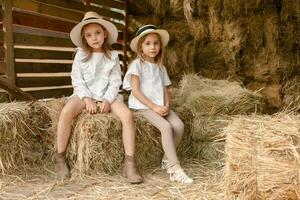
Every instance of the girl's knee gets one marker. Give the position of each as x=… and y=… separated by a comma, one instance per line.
x=67, y=113
x=126, y=115
x=179, y=127
x=166, y=128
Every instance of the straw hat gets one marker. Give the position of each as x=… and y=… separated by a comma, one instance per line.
x=92, y=17
x=164, y=35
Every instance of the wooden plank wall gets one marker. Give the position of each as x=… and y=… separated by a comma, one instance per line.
x=42, y=48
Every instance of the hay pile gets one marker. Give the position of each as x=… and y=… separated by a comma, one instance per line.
x=209, y=105
x=96, y=143
x=204, y=105
x=215, y=97
x=254, y=42
x=22, y=128
x=262, y=157
x=291, y=92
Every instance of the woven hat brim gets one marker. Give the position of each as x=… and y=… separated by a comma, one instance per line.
x=164, y=35
x=75, y=33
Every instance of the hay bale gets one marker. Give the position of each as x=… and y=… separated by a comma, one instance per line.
x=22, y=126
x=96, y=142
x=262, y=157
x=181, y=50
x=291, y=92
x=208, y=127
x=206, y=96
x=209, y=151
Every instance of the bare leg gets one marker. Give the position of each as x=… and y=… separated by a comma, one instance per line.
x=128, y=128
x=128, y=135
x=73, y=108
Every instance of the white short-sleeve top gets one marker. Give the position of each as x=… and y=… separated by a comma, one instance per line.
x=98, y=78
x=152, y=77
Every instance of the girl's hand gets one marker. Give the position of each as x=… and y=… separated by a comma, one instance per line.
x=159, y=110
x=104, y=106
x=90, y=105
x=166, y=110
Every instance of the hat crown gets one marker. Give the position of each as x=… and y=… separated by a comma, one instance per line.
x=145, y=28
x=91, y=15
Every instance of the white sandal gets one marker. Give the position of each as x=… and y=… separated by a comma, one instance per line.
x=180, y=176
x=166, y=166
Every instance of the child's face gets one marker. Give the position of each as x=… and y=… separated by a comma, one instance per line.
x=150, y=47
x=95, y=36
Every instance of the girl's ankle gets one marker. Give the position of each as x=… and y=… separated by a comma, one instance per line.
x=175, y=167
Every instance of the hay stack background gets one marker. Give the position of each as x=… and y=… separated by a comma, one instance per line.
x=22, y=127
x=96, y=142
x=291, y=92
x=262, y=157
x=209, y=106
x=252, y=42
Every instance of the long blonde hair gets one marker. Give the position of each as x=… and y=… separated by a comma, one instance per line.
x=88, y=50
x=158, y=58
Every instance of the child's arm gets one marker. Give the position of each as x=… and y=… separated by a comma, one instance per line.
x=114, y=84
x=135, y=84
x=166, y=100
x=78, y=83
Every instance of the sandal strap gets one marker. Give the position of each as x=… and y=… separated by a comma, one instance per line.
x=180, y=176
x=166, y=166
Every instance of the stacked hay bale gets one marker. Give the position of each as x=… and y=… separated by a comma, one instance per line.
x=254, y=42
x=262, y=157
x=210, y=104
x=22, y=128
x=96, y=142
x=291, y=91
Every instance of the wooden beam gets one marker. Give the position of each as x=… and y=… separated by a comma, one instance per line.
x=50, y=93
x=107, y=13
x=125, y=34
x=42, y=54
x=87, y=5
x=43, y=22
x=42, y=67
x=36, y=40
x=15, y=91
x=110, y=3
x=73, y=5
x=8, y=41
x=36, y=7
x=2, y=53
x=23, y=82
x=2, y=67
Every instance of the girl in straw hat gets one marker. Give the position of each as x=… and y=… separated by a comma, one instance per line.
x=148, y=81
x=96, y=79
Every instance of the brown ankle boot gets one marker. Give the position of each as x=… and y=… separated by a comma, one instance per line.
x=61, y=168
x=131, y=172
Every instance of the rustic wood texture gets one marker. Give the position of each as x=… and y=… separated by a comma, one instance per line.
x=42, y=81
x=2, y=67
x=42, y=67
x=8, y=40
x=51, y=93
x=14, y=91
x=39, y=33
x=42, y=54
x=45, y=9
x=35, y=40
x=110, y=3
x=43, y=22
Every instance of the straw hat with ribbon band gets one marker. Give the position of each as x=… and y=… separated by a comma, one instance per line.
x=92, y=17
x=164, y=35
